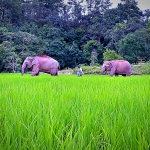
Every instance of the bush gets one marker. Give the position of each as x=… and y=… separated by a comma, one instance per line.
x=97, y=49
x=89, y=69
x=148, y=68
x=111, y=55
x=141, y=69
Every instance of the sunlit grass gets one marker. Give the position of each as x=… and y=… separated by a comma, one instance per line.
x=74, y=113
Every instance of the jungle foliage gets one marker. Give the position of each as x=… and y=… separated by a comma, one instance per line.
x=111, y=55
x=72, y=32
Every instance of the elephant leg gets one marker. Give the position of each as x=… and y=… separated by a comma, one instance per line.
x=35, y=70
x=112, y=72
x=37, y=74
x=128, y=74
x=54, y=73
x=116, y=74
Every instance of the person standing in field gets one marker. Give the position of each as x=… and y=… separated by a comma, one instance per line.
x=79, y=71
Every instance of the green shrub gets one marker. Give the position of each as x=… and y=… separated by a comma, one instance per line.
x=111, y=55
x=141, y=68
x=148, y=68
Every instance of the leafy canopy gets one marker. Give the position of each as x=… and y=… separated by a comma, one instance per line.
x=111, y=55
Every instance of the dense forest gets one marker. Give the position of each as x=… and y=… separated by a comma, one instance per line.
x=76, y=32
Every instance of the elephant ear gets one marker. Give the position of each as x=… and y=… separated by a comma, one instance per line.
x=35, y=66
x=34, y=61
x=30, y=58
x=109, y=65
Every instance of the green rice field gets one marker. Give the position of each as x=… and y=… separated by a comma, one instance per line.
x=92, y=112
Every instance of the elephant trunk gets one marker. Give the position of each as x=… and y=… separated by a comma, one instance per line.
x=23, y=68
x=103, y=70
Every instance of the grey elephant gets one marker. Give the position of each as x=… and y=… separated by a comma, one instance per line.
x=117, y=67
x=42, y=63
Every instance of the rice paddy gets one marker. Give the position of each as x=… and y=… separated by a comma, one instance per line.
x=74, y=113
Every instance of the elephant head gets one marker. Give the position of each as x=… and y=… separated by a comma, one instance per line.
x=28, y=63
x=106, y=67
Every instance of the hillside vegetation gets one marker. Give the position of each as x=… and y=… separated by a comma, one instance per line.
x=72, y=33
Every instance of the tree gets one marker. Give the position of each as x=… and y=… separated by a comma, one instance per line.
x=111, y=55
x=40, y=10
x=64, y=31
x=117, y=33
x=129, y=11
x=10, y=12
x=97, y=6
x=96, y=27
x=8, y=58
x=148, y=25
x=147, y=14
x=79, y=34
x=75, y=9
x=93, y=50
x=23, y=43
x=135, y=45
x=73, y=56
x=120, y=21
x=56, y=50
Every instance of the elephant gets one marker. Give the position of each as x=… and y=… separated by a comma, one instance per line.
x=41, y=63
x=117, y=67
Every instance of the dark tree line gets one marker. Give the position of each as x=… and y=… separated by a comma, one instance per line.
x=78, y=32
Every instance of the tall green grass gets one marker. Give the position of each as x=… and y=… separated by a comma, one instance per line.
x=74, y=113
